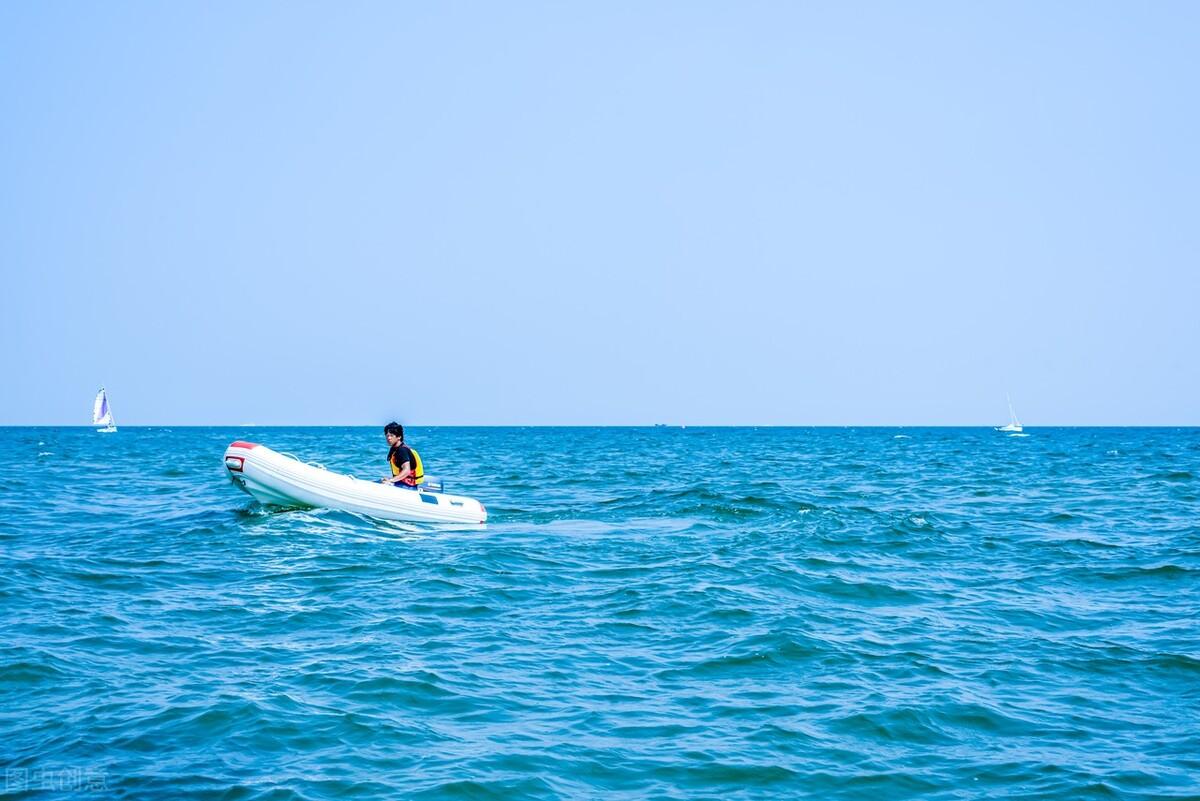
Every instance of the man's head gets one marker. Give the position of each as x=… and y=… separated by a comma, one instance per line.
x=394, y=432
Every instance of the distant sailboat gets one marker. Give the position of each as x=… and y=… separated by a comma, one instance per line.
x=102, y=414
x=1014, y=425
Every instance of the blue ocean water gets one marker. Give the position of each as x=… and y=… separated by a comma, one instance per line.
x=650, y=613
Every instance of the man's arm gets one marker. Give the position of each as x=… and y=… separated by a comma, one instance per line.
x=405, y=472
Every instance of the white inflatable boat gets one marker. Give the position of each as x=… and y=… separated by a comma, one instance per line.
x=280, y=480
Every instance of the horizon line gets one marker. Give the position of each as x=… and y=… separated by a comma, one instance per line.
x=991, y=426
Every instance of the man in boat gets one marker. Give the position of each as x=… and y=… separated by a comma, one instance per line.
x=403, y=460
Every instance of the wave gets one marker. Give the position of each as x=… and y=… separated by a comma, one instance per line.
x=752, y=654
x=1177, y=476
x=1166, y=571
x=485, y=789
x=15, y=675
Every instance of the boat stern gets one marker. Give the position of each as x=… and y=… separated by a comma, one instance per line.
x=240, y=466
x=235, y=458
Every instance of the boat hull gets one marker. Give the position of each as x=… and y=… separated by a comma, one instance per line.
x=278, y=480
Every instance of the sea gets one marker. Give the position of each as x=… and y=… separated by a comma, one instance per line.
x=649, y=613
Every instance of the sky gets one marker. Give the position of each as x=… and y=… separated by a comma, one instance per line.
x=788, y=213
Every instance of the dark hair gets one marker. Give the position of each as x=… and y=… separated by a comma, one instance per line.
x=394, y=428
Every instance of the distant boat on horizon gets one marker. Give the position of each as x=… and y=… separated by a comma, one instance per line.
x=1014, y=426
x=102, y=414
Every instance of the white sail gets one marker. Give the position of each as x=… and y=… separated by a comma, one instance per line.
x=102, y=414
x=1014, y=426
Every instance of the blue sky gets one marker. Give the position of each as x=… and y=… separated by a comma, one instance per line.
x=617, y=213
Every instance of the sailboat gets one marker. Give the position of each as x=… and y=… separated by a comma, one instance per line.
x=102, y=414
x=1014, y=425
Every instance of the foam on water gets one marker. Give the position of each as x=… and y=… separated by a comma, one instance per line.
x=650, y=613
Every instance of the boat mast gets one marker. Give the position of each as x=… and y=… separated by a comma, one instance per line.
x=1012, y=414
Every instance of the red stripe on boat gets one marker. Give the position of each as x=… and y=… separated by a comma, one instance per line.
x=246, y=445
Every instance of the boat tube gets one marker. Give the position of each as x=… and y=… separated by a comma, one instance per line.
x=277, y=479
